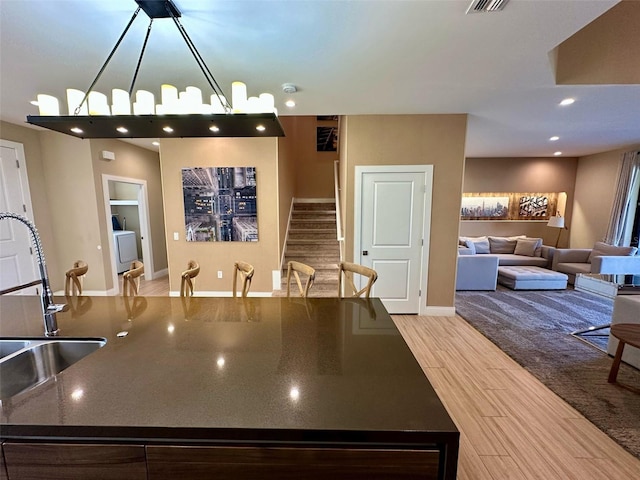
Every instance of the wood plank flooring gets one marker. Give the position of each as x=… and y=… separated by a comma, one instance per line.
x=512, y=426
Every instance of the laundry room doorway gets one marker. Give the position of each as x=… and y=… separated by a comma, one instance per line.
x=127, y=211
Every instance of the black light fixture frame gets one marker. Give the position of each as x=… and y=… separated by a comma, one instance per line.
x=155, y=126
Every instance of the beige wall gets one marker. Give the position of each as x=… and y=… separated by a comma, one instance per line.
x=604, y=52
x=596, y=180
x=30, y=140
x=261, y=153
x=141, y=164
x=526, y=175
x=313, y=170
x=437, y=140
x=286, y=177
x=74, y=209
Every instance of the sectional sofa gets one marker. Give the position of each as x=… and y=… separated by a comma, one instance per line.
x=479, y=258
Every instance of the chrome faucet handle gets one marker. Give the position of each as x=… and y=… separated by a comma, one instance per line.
x=57, y=307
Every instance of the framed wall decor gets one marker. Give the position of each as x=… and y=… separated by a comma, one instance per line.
x=220, y=204
x=510, y=205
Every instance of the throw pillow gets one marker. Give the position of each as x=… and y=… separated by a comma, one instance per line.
x=527, y=246
x=502, y=245
x=601, y=248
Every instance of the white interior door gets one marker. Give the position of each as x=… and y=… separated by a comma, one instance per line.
x=392, y=231
x=17, y=262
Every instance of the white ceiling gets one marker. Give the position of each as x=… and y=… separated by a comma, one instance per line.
x=345, y=56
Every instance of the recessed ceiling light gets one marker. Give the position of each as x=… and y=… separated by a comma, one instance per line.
x=167, y=129
x=76, y=130
x=34, y=102
x=567, y=101
x=122, y=129
x=214, y=129
x=290, y=103
x=261, y=128
x=557, y=154
x=555, y=138
x=155, y=144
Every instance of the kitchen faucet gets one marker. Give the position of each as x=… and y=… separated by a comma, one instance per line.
x=49, y=309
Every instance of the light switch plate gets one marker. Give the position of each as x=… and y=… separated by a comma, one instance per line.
x=176, y=236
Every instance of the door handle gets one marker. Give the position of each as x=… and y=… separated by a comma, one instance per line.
x=365, y=252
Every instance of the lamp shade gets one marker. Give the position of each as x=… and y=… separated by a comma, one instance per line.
x=556, y=222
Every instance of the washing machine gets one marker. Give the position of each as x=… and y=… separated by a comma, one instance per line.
x=125, y=248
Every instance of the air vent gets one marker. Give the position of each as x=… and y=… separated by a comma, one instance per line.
x=481, y=6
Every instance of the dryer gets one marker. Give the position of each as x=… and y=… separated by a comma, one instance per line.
x=125, y=249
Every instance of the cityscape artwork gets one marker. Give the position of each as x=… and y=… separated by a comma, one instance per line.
x=485, y=207
x=220, y=204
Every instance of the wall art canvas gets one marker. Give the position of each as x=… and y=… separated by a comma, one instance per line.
x=485, y=207
x=534, y=206
x=220, y=204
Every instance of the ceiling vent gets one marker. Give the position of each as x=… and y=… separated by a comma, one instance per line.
x=481, y=6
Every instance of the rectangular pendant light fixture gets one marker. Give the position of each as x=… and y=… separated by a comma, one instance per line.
x=178, y=116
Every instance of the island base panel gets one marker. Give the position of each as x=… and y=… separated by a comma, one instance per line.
x=186, y=463
x=26, y=461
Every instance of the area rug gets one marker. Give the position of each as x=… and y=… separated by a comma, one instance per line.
x=534, y=328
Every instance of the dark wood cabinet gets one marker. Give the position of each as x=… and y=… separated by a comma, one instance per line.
x=26, y=461
x=265, y=463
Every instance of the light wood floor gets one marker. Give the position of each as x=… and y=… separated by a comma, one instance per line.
x=512, y=426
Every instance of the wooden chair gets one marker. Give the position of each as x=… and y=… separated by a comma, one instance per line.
x=296, y=268
x=347, y=271
x=72, y=284
x=131, y=279
x=187, y=278
x=246, y=272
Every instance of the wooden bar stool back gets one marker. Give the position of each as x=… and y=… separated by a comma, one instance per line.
x=297, y=268
x=72, y=284
x=131, y=279
x=347, y=271
x=187, y=278
x=246, y=273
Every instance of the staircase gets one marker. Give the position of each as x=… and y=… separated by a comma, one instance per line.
x=313, y=240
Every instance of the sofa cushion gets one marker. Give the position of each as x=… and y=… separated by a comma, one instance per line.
x=574, y=268
x=528, y=247
x=502, y=244
x=513, y=259
x=603, y=249
x=481, y=244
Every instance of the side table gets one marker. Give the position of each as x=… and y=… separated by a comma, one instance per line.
x=626, y=333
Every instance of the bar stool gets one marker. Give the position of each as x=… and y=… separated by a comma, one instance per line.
x=72, y=284
x=131, y=278
x=187, y=278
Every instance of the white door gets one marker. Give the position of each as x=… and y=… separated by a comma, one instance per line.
x=393, y=216
x=17, y=262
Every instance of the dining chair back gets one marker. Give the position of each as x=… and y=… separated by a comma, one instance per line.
x=297, y=268
x=187, y=278
x=346, y=279
x=131, y=279
x=246, y=274
x=72, y=284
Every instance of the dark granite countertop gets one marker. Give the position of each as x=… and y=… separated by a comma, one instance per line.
x=226, y=369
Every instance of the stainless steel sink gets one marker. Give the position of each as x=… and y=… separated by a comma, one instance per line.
x=25, y=363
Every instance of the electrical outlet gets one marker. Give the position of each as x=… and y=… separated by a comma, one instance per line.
x=176, y=236
x=219, y=273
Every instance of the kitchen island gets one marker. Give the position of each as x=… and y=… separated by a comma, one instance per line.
x=198, y=387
